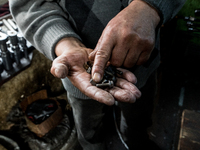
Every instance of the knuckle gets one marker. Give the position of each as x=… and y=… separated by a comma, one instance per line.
x=110, y=28
x=102, y=53
x=144, y=40
x=52, y=71
x=126, y=97
x=98, y=68
x=150, y=41
x=126, y=35
x=130, y=97
x=139, y=39
x=147, y=42
x=129, y=64
x=116, y=63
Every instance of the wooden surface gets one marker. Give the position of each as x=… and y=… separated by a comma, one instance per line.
x=190, y=131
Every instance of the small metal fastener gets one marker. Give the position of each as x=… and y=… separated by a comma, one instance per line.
x=88, y=67
x=105, y=81
x=89, y=70
x=110, y=84
x=92, y=82
x=119, y=72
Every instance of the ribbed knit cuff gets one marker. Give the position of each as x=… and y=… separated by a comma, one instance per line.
x=70, y=88
x=53, y=35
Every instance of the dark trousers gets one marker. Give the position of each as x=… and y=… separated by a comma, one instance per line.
x=91, y=119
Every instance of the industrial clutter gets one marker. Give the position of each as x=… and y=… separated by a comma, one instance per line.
x=99, y=75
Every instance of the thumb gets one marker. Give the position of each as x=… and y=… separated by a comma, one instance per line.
x=59, y=69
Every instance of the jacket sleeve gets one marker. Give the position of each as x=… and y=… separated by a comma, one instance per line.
x=167, y=9
x=43, y=23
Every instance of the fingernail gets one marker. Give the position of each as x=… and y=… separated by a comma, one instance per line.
x=97, y=77
x=59, y=73
x=110, y=102
x=135, y=81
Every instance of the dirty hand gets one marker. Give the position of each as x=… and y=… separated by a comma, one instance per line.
x=72, y=55
x=127, y=40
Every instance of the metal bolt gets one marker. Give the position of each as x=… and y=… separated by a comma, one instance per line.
x=3, y=40
x=105, y=81
x=12, y=36
x=110, y=84
x=119, y=72
x=92, y=82
x=89, y=70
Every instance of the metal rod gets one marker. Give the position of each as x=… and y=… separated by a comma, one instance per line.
x=7, y=25
x=12, y=36
x=5, y=54
x=12, y=24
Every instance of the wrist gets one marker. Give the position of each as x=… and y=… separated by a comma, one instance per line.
x=148, y=9
x=66, y=44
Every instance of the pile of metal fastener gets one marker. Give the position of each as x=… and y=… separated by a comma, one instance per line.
x=109, y=77
x=14, y=50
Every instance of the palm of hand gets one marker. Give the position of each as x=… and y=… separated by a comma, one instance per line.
x=71, y=63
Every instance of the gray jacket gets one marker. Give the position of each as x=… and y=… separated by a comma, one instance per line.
x=45, y=22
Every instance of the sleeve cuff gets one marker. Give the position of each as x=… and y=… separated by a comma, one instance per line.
x=52, y=35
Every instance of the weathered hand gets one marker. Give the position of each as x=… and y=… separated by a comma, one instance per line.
x=72, y=55
x=127, y=40
x=124, y=89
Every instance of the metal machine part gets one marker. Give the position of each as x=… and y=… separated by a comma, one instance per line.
x=23, y=45
x=15, y=51
x=3, y=40
x=12, y=24
x=2, y=31
x=5, y=54
x=8, y=26
x=14, y=47
x=1, y=23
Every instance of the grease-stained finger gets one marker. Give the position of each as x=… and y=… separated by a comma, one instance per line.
x=125, y=91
